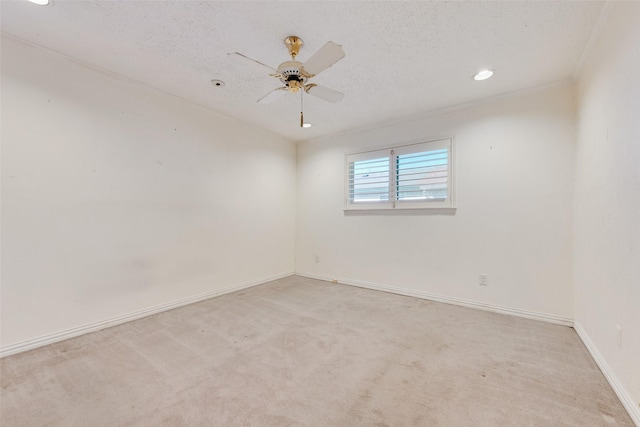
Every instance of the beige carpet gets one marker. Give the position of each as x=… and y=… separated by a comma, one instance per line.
x=302, y=352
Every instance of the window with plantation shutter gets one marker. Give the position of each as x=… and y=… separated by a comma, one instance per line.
x=417, y=176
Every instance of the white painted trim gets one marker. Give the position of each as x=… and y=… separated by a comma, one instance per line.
x=623, y=395
x=596, y=32
x=483, y=102
x=559, y=320
x=121, y=77
x=92, y=327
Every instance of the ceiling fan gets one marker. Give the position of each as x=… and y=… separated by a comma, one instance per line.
x=295, y=75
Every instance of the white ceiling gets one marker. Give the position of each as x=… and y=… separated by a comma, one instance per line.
x=402, y=58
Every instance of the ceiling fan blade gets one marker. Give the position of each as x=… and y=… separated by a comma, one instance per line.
x=272, y=96
x=324, y=58
x=239, y=55
x=325, y=93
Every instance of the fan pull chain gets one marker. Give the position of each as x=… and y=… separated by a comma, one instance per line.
x=301, y=109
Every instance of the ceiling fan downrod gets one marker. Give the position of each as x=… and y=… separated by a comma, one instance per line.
x=293, y=43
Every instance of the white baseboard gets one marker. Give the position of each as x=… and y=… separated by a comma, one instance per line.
x=625, y=398
x=92, y=327
x=559, y=320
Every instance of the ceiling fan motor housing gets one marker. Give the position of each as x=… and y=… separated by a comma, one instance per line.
x=292, y=76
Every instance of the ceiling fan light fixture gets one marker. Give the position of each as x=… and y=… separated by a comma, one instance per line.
x=483, y=75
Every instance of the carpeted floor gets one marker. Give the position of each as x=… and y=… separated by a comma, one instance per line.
x=302, y=352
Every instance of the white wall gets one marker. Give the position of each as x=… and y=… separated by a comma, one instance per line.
x=117, y=198
x=515, y=169
x=607, y=199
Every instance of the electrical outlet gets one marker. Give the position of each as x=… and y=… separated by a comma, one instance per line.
x=619, y=336
x=483, y=279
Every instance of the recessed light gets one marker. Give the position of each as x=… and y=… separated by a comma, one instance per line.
x=306, y=125
x=483, y=75
x=40, y=2
x=217, y=83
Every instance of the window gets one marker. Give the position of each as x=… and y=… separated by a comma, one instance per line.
x=418, y=176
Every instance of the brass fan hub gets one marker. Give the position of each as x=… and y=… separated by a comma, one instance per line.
x=293, y=43
x=290, y=73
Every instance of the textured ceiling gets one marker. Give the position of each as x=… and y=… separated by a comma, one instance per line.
x=402, y=58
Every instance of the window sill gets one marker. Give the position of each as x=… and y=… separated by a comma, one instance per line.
x=401, y=211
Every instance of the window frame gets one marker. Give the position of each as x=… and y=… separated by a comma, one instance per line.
x=391, y=153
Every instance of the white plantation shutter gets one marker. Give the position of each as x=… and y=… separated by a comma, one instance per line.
x=423, y=172
x=369, y=178
x=406, y=177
